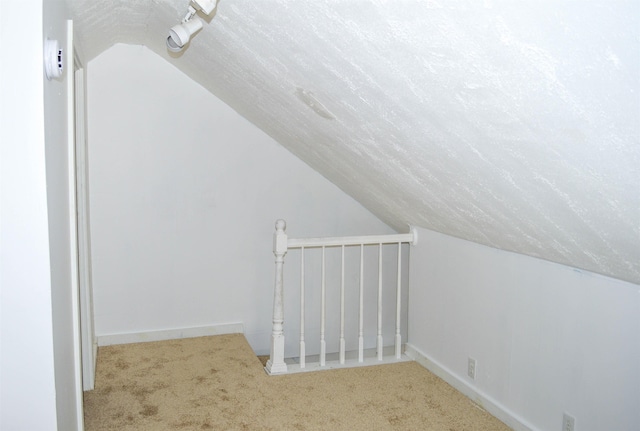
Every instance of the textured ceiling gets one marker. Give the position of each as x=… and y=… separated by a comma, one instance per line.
x=511, y=124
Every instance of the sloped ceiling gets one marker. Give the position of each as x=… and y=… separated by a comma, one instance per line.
x=511, y=124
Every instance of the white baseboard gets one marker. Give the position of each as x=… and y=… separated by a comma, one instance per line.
x=486, y=402
x=170, y=334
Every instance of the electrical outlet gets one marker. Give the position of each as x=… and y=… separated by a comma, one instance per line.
x=568, y=422
x=471, y=368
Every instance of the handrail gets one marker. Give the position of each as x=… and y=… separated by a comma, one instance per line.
x=281, y=243
x=411, y=237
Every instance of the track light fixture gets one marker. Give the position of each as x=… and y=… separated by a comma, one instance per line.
x=179, y=35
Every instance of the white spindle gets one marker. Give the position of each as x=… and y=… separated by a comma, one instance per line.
x=323, y=345
x=342, y=343
x=361, y=308
x=399, y=304
x=276, y=363
x=302, y=343
x=379, y=343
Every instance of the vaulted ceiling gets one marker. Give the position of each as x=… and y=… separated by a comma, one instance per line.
x=514, y=124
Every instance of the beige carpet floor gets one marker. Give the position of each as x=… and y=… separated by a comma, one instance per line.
x=217, y=383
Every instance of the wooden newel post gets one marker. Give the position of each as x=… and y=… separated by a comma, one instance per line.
x=276, y=363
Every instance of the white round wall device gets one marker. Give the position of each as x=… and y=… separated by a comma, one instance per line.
x=53, y=59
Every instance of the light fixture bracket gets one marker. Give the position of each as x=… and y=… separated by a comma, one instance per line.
x=190, y=13
x=206, y=6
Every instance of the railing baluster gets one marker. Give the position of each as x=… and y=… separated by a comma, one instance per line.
x=302, y=343
x=342, y=343
x=361, y=323
x=379, y=343
x=399, y=304
x=323, y=345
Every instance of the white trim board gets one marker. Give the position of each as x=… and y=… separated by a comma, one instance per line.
x=484, y=401
x=170, y=334
x=351, y=360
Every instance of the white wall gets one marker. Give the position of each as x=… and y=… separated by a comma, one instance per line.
x=184, y=196
x=547, y=338
x=27, y=382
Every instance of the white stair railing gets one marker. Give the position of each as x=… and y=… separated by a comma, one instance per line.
x=281, y=244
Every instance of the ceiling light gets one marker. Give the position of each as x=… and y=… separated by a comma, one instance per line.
x=179, y=35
